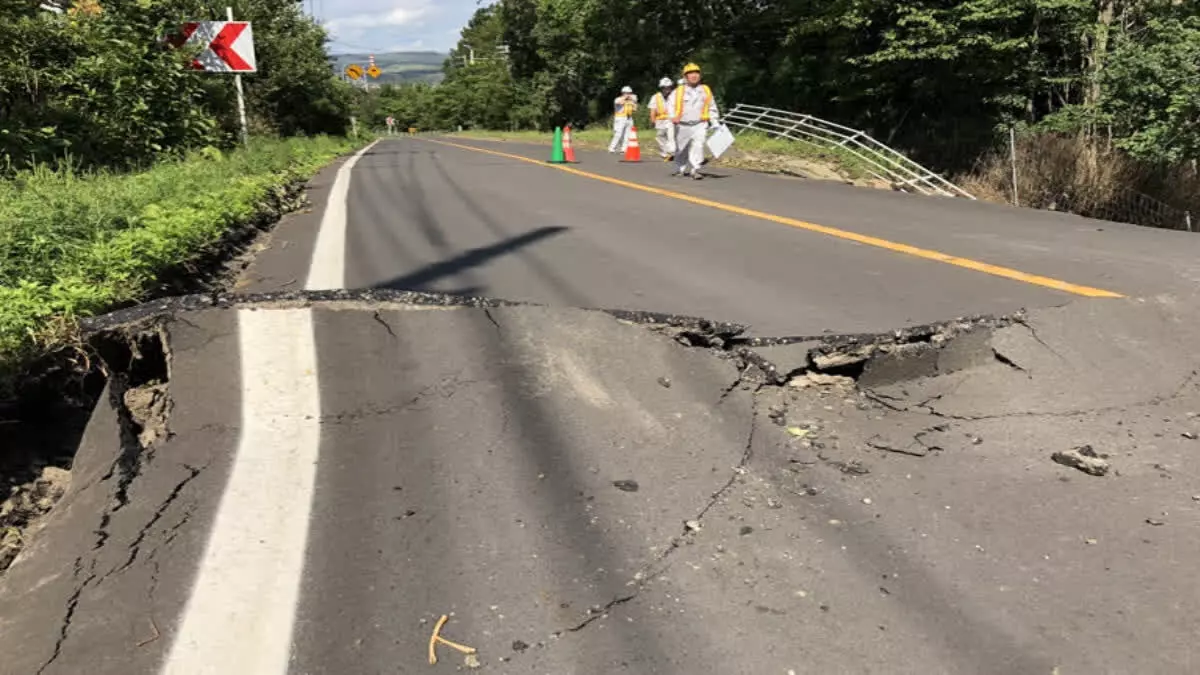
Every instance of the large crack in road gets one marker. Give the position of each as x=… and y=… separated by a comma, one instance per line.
x=919, y=431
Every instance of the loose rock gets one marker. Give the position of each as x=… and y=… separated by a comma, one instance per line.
x=628, y=485
x=853, y=468
x=821, y=380
x=1083, y=458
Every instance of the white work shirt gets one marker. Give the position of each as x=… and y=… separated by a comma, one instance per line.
x=658, y=106
x=693, y=104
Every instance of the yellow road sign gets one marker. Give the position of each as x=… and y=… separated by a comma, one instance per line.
x=374, y=71
x=354, y=70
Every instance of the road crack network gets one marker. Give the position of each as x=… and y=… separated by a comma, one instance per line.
x=136, y=546
x=660, y=563
x=126, y=468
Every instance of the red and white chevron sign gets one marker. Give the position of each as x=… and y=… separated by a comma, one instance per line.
x=228, y=46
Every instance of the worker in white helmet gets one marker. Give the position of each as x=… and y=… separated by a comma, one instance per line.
x=623, y=108
x=660, y=115
x=694, y=111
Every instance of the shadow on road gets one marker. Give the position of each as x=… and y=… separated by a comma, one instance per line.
x=422, y=278
x=561, y=285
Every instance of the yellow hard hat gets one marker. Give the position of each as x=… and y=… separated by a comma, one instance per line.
x=691, y=68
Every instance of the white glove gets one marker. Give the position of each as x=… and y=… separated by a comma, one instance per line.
x=714, y=125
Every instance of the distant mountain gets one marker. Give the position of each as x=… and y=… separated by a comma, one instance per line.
x=398, y=67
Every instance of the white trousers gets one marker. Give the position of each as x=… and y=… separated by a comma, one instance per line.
x=689, y=147
x=665, y=135
x=621, y=126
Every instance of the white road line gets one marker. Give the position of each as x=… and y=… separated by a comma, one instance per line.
x=327, y=269
x=241, y=610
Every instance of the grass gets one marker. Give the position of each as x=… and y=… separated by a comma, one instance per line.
x=74, y=245
x=755, y=150
x=1084, y=176
x=771, y=148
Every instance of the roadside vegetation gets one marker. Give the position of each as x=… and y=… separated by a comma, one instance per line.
x=74, y=245
x=1096, y=90
x=119, y=164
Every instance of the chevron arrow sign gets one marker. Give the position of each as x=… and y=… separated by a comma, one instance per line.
x=226, y=46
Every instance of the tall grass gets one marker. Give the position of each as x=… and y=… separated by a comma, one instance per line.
x=1083, y=176
x=73, y=245
x=838, y=158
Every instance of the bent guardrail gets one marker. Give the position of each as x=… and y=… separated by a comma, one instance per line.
x=880, y=160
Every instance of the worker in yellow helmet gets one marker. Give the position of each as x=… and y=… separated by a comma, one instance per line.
x=694, y=111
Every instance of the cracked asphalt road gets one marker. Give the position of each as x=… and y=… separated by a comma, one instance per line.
x=582, y=492
x=423, y=215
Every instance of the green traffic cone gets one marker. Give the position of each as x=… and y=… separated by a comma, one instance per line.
x=556, y=153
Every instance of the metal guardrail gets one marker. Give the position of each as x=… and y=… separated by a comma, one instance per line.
x=879, y=160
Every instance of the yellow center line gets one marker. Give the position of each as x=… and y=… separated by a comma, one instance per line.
x=967, y=263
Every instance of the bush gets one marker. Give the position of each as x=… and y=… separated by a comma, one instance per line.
x=1079, y=175
x=74, y=245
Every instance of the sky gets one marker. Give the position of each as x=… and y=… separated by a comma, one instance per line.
x=392, y=25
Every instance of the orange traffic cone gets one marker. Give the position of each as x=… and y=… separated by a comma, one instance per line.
x=568, y=151
x=633, y=151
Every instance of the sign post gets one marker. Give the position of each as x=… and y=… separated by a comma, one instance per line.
x=227, y=47
x=241, y=96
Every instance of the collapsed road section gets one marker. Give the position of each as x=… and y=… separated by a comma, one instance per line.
x=309, y=483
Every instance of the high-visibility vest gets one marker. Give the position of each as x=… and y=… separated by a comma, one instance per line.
x=626, y=110
x=705, y=115
x=659, y=103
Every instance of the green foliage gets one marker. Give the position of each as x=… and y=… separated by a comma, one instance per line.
x=1152, y=87
x=98, y=89
x=73, y=245
x=105, y=90
x=941, y=79
x=294, y=90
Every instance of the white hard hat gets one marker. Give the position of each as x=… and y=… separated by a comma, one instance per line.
x=681, y=82
x=664, y=83
x=626, y=90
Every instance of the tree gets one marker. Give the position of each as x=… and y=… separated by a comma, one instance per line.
x=98, y=85
x=942, y=79
x=1151, y=90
